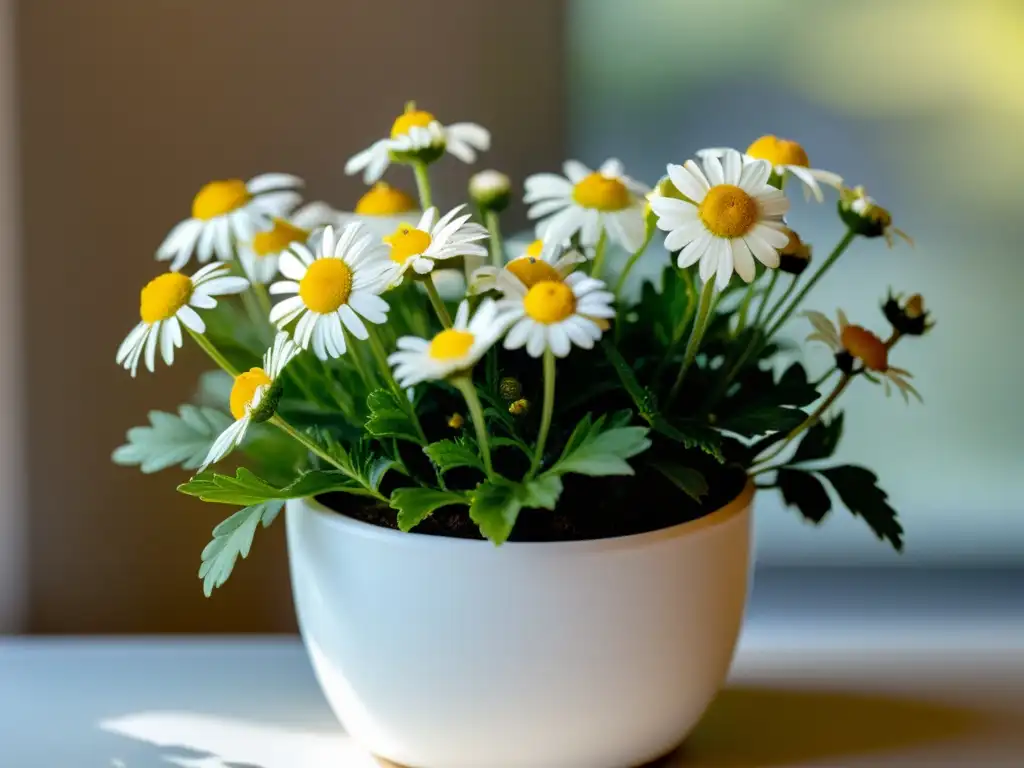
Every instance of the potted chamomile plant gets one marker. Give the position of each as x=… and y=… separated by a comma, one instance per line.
x=518, y=497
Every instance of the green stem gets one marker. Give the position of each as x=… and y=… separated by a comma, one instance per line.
x=767, y=297
x=696, y=334
x=380, y=355
x=807, y=423
x=546, y=413
x=252, y=309
x=836, y=253
x=744, y=309
x=315, y=449
x=357, y=362
x=494, y=227
x=207, y=346
x=774, y=311
x=419, y=169
x=682, y=324
x=476, y=411
x=437, y=302
x=599, y=252
x=262, y=299
x=621, y=282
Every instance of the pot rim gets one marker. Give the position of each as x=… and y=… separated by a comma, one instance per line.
x=392, y=536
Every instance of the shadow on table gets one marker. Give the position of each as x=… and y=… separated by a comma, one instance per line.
x=749, y=726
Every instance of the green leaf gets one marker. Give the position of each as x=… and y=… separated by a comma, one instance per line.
x=688, y=480
x=388, y=417
x=692, y=434
x=449, y=454
x=594, y=450
x=760, y=419
x=494, y=509
x=541, y=492
x=246, y=489
x=858, y=488
x=805, y=492
x=171, y=440
x=415, y=505
x=820, y=442
x=232, y=539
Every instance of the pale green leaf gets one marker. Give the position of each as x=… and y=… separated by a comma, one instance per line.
x=246, y=489
x=449, y=454
x=389, y=418
x=232, y=539
x=494, y=509
x=183, y=439
x=415, y=505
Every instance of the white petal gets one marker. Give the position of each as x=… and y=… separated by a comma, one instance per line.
x=202, y=300
x=732, y=165
x=714, y=171
x=575, y=171
x=167, y=342
x=770, y=235
x=270, y=181
x=151, y=343
x=546, y=207
x=754, y=177
x=304, y=329
x=680, y=237
x=475, y=135
x=222, y=239
x=762, y=251
x=284, y=313
x=537, y=340
x=773, y=203
x=542, y=186
x=284, y=288
x=742, y=261
x=204, y=248
x=291, y=266
x=519, y=333
x=559, y=340
x=353, y=323
x=134, y=337
x=693, y=252
x=191, y=319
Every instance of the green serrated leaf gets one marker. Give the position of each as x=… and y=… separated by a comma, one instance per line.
x=692, y=434
x=805, y=492
x=858, y=488
x=541, y=492
x=494, y=509
x=595, y=450
x=415, y=505
x=232, y=539
x=246, y=489
x=820, y=442
x=449, y=454
x=758, y=420
x=388, y=417
x=183, y=439
x=688, y=480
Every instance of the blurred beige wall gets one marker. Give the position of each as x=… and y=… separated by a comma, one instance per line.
x=127, y=107
x=12, y=509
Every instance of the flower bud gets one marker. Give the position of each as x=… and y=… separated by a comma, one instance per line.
x=510, y=388
x=909, y=318
x=456, y=421
x=519, y=407
x=795, y=256
x=491, y=190
x=268, y=404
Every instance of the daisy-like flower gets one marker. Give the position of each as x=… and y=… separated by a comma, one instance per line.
x=856, y=343
x=226, y=212
x=453, y=350
x=419, y=136
x=166, y=303
x=864, y=216
x=554, y=314
x=418, y=247
x=260, y=256
x=538, y=262
x=787, y=157
x=337, y=289
x=254, y=397
x=586, y=201
x=730, y=217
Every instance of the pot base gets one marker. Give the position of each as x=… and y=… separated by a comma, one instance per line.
x=659, y=762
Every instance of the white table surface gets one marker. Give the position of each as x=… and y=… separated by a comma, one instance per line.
x=838, y=693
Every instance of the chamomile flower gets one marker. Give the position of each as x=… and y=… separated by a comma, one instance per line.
x=554, y=314
x=787, y=158
x=419, y=247
x=852, y=343
x=867, y=218
x=586, y=202
x=730, y=217
x=337, y=289
x=259, y=257
x=417, y=135
x=451, y=351
x=229, y=211
x=254, y=397
x=538, y=262
x=166, y=303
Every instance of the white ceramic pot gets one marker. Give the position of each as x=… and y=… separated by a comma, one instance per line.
x=447, y=653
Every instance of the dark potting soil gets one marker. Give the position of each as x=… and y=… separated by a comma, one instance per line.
x=590, y=508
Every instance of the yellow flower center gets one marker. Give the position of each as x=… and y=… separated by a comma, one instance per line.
x=414, y=118
x=778, y=151
x=407, y=241
x=915, y=306
x=534, y=249
x=244, y=388
x=450, y=344
x=326, y=285
x=278, y=239
x=384, y=200
x=550, y=301
x=220, y=197
x=866, y=347
x=164, y=296
x=531, y=270
x=727, y=211
x=601, y=193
